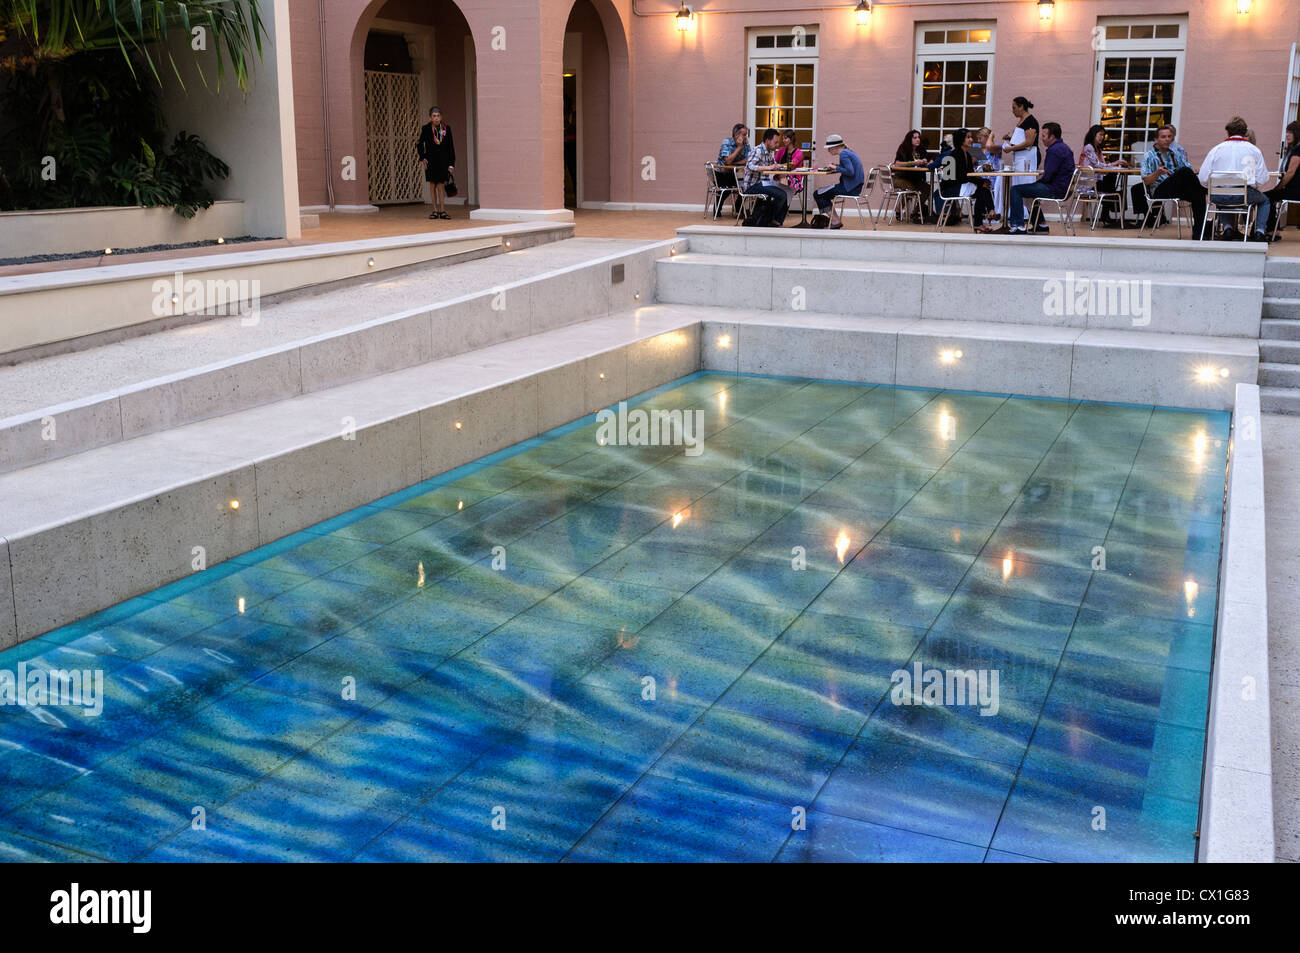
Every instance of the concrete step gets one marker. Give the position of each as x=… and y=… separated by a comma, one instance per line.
x=99, y=396
x=1281, y=308
x=1288, y=288
x=1279, y=352
x=1279, y=375
x=1056, y=253
x=1282, y=267
x=1168, y=301
x=1280, y=329
x=1279, y=400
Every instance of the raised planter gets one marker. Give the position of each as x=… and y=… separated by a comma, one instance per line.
x=66, y=230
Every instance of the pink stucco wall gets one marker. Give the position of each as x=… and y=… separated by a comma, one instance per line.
x=652, y=91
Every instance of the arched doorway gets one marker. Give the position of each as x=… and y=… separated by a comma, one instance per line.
x=596, y=116
x=415, y=54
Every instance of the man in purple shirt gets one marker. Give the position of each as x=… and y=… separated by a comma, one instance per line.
x=1053, y=179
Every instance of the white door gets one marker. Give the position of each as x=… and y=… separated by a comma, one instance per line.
x=392, y=128
x=954, y=79
x=782, y=82
x=1139, y=80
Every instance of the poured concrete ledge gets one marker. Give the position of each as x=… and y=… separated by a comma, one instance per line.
x=1237, y=788
x=1123, y=366
x=1055, y=253
x=415, y=336
x=48, y=307
x=86, y=532
x=1168, y=301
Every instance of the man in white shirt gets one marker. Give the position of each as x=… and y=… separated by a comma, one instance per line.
x=1238, y=155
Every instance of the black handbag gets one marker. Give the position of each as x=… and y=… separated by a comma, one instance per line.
x=450, y=189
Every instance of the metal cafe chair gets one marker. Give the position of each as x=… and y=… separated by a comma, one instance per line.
x=745, y=207
x=1158, y=208
x=895, y=201
x=1282, y=208
x=1226, y=197
x=863, y=197
x=1067, y=218
x=965, y=205
x=717, y=193
x=1089, y=192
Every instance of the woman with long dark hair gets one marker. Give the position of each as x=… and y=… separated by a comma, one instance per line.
x=1094, y=147
x=957, y=179
x=1288, y=187
x=912, y=154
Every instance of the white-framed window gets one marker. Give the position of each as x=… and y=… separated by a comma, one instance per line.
x=782, y=81
x=954, y=77
x=1139, y=79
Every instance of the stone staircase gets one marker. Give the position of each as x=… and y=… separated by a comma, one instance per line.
x=1279, y=338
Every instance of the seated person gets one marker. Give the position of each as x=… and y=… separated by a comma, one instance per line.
x=1238, y=155
x=758, y=181
x=1094, y=143
x=1168, y=174
x=849, y=166
x=1053, y=179
x=792, y=156
x=988, y=158
x=1289, y=186
x=955, y=179
x=733, y=153
x=912, y=154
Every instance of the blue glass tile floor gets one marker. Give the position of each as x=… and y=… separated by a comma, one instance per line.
x=861, y=623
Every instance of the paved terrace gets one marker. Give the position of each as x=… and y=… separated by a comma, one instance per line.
x=414, y=219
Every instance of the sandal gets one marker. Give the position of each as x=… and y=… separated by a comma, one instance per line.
x=445, y=216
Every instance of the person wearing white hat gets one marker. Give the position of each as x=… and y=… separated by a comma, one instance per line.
x=849, y=166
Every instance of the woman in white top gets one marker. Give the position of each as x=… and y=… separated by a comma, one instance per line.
x=1021, y=150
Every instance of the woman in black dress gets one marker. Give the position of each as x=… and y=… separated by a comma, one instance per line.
x=438, y=153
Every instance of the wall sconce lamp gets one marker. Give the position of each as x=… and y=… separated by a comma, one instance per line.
x=863, y=12
x=1243, y=7
x=684, y=18
x=1045, y=9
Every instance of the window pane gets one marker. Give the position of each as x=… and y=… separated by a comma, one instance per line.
x=765, y=42
x=1114, y=68
x=976, y=94
x=931, y=95
x=1163, y=67
x=930, y=117
x=1162, y=93
x=785, y=96
x=784, y=41
x=763, y=96
x=1112, y=92
x=1139, y=68
x=952, y=118
x=957, y=36
x=803, y=74
x=932, y=71
x=934, y=36
x=1119, y=32
x=803, y=96
x=810, y=40
x=977, y=71
x=981, y=36
x=1142, y=31
x=1167, y=31
x=763, y=76
x=784, y=74
x=956, y=71
x=1135, y=117
x=803, y=117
